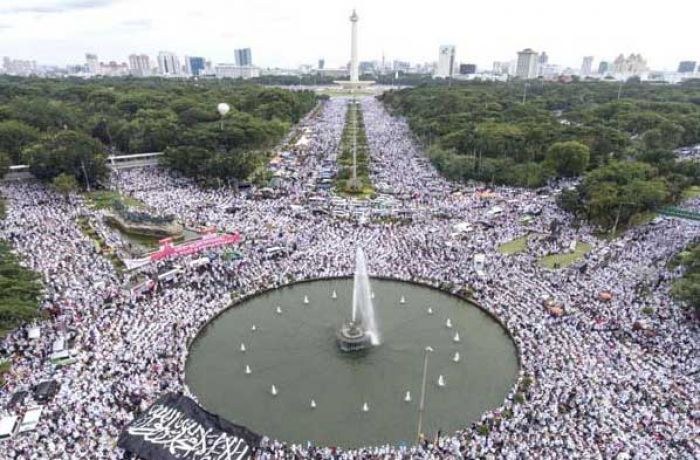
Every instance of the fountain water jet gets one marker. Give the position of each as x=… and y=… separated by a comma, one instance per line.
x=362, y=330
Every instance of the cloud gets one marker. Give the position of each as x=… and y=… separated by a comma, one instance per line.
x=57, y=6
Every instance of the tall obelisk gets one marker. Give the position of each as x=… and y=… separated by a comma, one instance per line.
x=354, y=83
x=354, y=74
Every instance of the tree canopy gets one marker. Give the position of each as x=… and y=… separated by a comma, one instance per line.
x=128, y=115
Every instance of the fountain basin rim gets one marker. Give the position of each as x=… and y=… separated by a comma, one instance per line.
x=264, y=290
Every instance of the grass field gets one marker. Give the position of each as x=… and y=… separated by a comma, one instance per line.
x=102, y=199
x=566, y=259
x=691, y=192
x=514, y=246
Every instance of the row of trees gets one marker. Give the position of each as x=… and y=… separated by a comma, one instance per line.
x=525, y=134
x=20, y=290
x=69, y=126
x=687, y=288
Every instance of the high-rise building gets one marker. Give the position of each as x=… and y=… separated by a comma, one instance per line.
x=686, y=67
x=168, y=64
x=321, y=64
x=587, y=65
x=467, y=69
x=527, y=64
x=194, y=65
x=603, y=67
x=401, y=66
x=244, y=57
x=236, y=71
x=92, y=64
x=446, y=62
x=543, y=58
x=140, y=65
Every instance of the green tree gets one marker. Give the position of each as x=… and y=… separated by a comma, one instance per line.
x=64, y=184
x=70, y=152
x=4, y=164
x=14, y=137
x=569, y=158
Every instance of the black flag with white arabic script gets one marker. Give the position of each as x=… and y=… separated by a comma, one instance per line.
x=177, y=428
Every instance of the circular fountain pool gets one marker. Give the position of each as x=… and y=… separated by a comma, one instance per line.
x=294, y=348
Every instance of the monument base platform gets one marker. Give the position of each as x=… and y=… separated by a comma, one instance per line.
x=354, y=85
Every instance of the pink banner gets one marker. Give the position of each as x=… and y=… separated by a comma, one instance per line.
x=207, y=241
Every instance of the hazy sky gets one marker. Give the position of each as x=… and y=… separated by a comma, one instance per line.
x=286, y=33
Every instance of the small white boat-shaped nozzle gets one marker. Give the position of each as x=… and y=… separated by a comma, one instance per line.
x=403, y=299
x=448, y=323
x=243, y=347
x=365, y=407
x=441, y=381
x=253, y=328
x=278, y=310
x=306, y=299
x=273, y=390
x=430, y=311
x=456, y=337
x=334, y=295
x=313, y=404
x=456, y=357
x=407, y=398
x=247, y=370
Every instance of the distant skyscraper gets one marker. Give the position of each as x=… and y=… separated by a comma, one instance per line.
x=244, y=57
x=603, y=67
x=587, y=65
x=168, y=64
x=195, y=65
x=467, y=69
x=140, y=65
x=92, y=64
x=543, y=58
x=687, y=67
x=527, y=64
x=446, y=62
x=321, y=64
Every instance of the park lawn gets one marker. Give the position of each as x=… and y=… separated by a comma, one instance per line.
x=691, y=192
x=514, y=246
x=102, y=199
x=566, y=259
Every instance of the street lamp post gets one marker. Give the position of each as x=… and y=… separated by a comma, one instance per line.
x=421, y=407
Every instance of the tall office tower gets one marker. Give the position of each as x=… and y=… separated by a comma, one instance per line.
x=527, y=64
x=587, y=66
x=244, y=57
x=686, y=67
x=92, y=64
x=321, y=64
x=603, y=67
x=140, y=65
x=195, y=65
x=168, y=64
x=446, y=62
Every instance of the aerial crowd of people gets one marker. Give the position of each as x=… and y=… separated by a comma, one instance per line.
x=610, y=373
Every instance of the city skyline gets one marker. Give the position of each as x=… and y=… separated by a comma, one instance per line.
x=284, y=35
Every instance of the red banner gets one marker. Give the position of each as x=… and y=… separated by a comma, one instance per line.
x=207, y=241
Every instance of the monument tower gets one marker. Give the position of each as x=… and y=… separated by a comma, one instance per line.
x=354, y=74
x=354, y=82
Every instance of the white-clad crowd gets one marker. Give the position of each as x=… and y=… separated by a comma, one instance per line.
x=613, y=377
